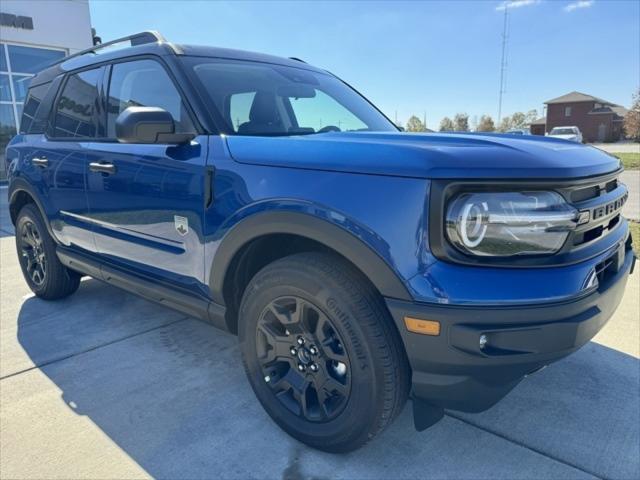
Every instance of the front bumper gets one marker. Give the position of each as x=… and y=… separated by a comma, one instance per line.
x=451, y=370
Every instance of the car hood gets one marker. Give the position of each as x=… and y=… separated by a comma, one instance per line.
x=426, y=155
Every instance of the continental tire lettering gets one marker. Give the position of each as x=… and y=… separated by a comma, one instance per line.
x=332, y=306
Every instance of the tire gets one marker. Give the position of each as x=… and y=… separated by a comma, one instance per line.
x=342, y=320
x=41, y=268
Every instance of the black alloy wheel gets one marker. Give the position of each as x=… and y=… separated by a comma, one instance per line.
x=32, y=251
x=321, y=351
x=303, y=359
x=45, y=275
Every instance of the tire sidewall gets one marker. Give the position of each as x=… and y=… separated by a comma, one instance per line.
x=28, y=213
x=360, y=413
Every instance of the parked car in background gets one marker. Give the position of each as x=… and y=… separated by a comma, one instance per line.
x=359, y=265
x=518, y=131
x=572, y=134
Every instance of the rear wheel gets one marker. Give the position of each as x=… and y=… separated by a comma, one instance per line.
x=42, y=270
x=321, y=352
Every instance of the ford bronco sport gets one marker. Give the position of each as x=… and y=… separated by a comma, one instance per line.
x=358, y=265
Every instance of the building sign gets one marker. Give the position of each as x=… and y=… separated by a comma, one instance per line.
x=16, y=21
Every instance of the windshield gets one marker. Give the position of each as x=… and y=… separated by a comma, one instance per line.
x=263, y=99
x=563, y=131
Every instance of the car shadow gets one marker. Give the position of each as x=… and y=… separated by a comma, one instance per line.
x=175, y=399
x=4, y=234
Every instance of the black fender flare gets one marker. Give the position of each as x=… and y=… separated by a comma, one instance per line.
x=18, y=185
x=383, y=277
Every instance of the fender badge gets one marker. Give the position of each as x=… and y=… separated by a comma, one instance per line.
x=181, y=224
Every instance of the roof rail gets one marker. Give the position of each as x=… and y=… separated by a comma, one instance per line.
x=141, y=38
x=297, y=59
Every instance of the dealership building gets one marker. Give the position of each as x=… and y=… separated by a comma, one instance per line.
x=32, y=35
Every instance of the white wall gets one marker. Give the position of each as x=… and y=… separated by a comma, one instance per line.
x=56, y=23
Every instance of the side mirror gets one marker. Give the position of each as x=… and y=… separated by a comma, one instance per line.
x=148, y=125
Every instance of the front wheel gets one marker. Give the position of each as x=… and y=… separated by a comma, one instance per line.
x=321, y=351
x=42, y=270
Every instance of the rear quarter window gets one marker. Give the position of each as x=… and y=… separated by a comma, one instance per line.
x=36, y=110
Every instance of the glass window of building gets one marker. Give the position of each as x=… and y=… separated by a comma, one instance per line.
x=18, y=64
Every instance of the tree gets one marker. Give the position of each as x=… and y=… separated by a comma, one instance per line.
x=518, y=120
x=414, y=124
x=505, y=124
x=461, y=122
x=446, y=125
x=531, y=116
x=486, y=124
x=632, y=119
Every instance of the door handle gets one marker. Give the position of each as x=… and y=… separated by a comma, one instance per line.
x=41, y=162
x=107, y=168
x=208, y=186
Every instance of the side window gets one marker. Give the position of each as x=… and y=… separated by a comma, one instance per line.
x=77, y=107
x=239, y=108
x=322, y=111
x=144, y=83
x=32, y=119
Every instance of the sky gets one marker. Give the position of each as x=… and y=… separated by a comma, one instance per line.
x=433, y=58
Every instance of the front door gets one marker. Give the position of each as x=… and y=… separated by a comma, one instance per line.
x=147, y=201
x=602, y=132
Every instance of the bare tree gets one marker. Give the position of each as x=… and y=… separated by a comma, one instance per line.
x=461, y=122
x=446, y=125
x=632, y=119
x=518, y=120
x=414, y=124
x=531, y=116
x=505, y=124
x=486, y=124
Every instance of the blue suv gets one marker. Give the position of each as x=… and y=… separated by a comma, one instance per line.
x=358, y=265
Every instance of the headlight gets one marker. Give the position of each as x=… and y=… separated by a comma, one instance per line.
x=510, y=223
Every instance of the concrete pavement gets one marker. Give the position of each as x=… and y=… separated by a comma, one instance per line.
x=631, y=209
x=106, y=385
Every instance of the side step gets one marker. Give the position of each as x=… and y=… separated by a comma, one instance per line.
x=193, y=305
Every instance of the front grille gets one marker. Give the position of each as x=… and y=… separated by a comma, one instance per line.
x=606, y=268
x=603, y=200
x=593, y=191
x=593, y=234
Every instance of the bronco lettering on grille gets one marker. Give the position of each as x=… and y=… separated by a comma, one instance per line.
x=609, y=208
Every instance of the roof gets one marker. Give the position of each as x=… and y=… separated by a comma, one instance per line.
x=619, y=110
x=228, y=53
x=610, y=109
x=577, y=97
x=540, y=121
x=160, y=48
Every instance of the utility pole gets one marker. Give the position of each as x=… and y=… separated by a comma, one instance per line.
x=503, y=62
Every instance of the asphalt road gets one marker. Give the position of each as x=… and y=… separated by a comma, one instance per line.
x=106, y=385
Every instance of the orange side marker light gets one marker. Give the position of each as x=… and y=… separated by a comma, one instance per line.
x=423, y=327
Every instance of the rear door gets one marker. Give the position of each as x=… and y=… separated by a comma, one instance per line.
x=147, y=201
x=60, y=156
